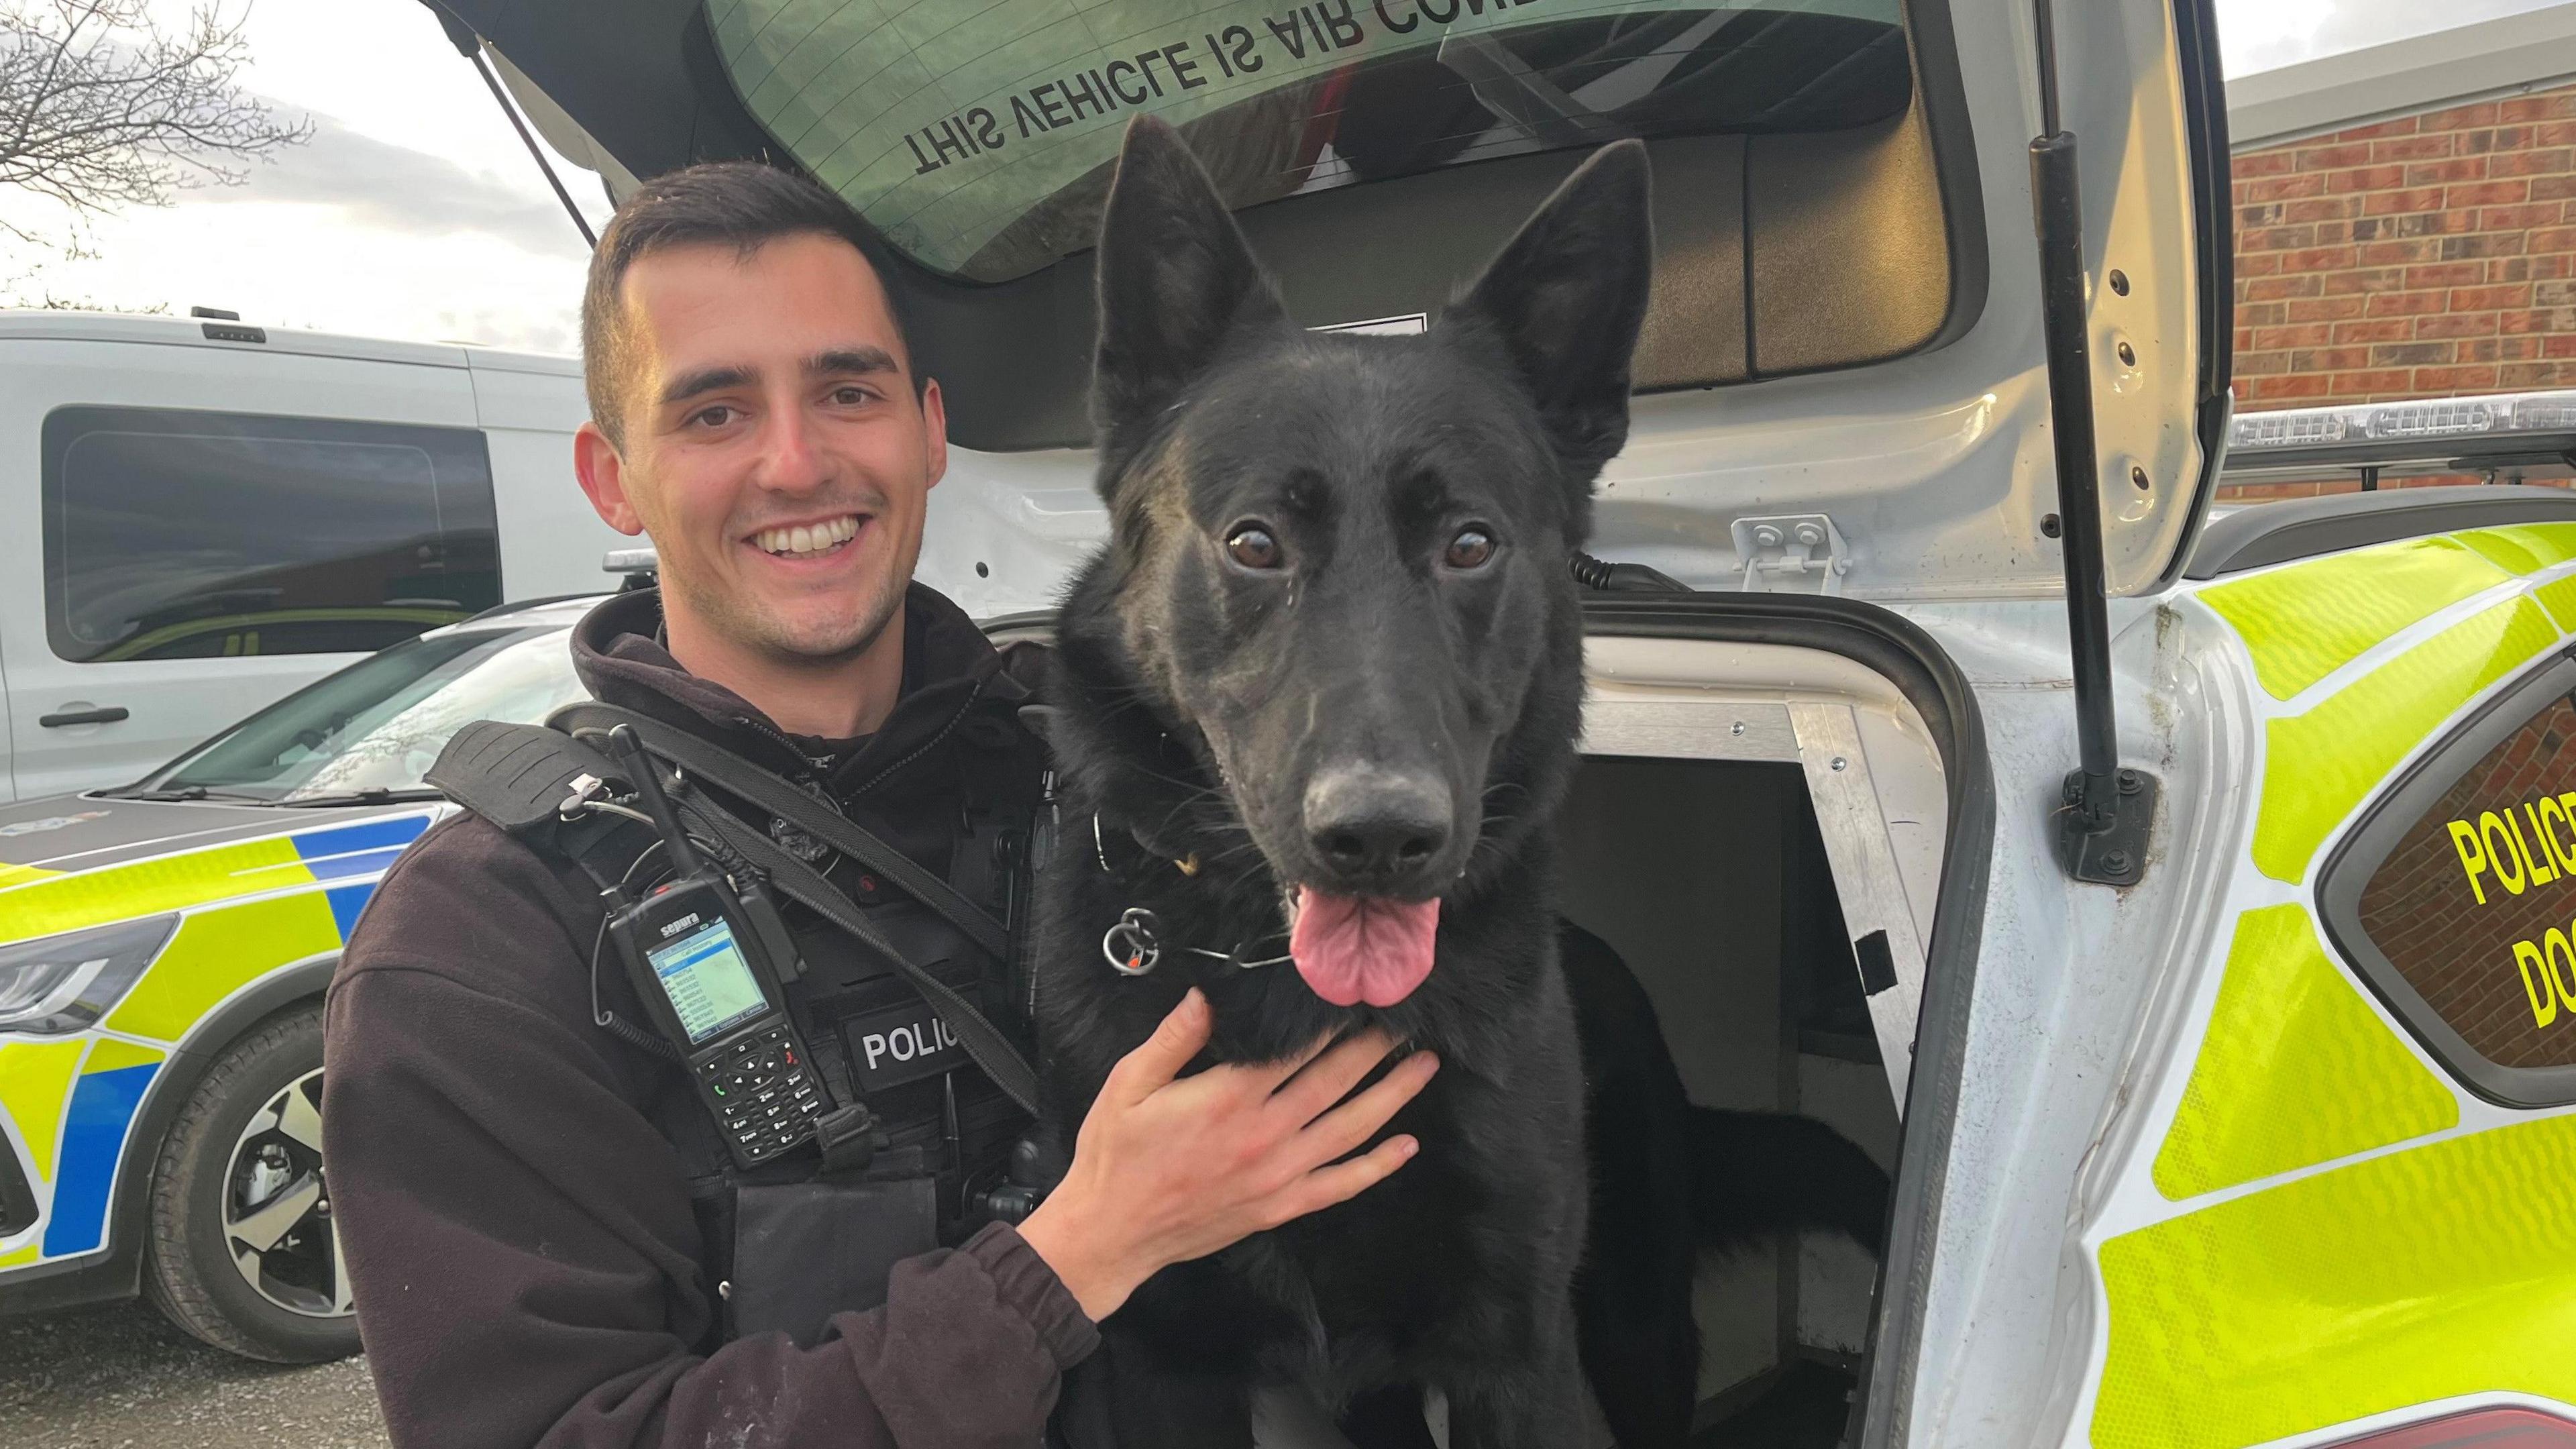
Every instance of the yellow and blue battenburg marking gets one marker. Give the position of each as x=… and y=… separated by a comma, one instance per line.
x=248, y=909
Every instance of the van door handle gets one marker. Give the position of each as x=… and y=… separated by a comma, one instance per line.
x=109, y=714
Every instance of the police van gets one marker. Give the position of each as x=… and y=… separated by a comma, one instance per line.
x=200, y=515
x=2182, y=918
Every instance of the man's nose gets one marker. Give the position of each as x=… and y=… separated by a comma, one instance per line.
x=790, y=461
x=1377, y=828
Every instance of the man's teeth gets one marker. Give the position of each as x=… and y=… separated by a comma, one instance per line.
x=804, y=539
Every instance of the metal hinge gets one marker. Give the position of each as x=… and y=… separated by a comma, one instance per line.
x=1792, y=553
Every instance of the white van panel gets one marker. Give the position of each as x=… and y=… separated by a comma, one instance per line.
x=551, y=540
x=170, y=703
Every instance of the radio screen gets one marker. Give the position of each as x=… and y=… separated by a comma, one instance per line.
x=710, y=986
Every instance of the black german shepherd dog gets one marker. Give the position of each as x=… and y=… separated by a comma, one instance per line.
x=1317, y=703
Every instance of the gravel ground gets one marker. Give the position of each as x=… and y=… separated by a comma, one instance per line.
x=121, y=1377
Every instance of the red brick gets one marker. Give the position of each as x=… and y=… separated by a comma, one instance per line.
x=2398, y=253
x=2319, y=259
x=2438, y=173
x=2502, y=349
x=2281, y=188
x=2274, y=289
x=2490, y=299
x=2456, y=324
x=2405, y=304
x=2258, y=264
x=2531, y=163
x=2342, y=183
x=2487, y=193
x=2312, y=334
x=2546, y=106
x=2333, y=233
x=2261, y=163
x=2552, y=188
x=2554, y=239
x=2334, y=158
x=2518, y=218
x=2377, y=279
x=2347, y=384
x=2436, y=274
x=2559, y=345
x=2391, y=329
x=2386, y=203
x=2260, y=364
x=2521, y=375
x=2555, y=133
x=2277, y=238
x=2471, y=378
x=2550, y=319
x=2411, y=148
x=2459, y=118
x=2261, y=314
x=2327, y=309
x=2489, y=244
x=2323, y=208
x=2274, y=389
x=2552, y=268
x=2332, y=359
x=2402, y=126
x=2410, y=354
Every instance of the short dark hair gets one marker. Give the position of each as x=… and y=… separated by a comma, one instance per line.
x=741, y=204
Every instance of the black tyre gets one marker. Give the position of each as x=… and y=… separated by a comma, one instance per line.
x=243, y=1253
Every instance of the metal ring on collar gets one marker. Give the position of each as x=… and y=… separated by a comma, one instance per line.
x=1131, y=947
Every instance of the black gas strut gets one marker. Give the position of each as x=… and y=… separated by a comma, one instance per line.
x=2104, y=813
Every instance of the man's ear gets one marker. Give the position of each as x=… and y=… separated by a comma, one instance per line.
x=595, y=462
x=1176, y=280
x=1564, y=301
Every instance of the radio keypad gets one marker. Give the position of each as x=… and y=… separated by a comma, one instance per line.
x=764, y=1093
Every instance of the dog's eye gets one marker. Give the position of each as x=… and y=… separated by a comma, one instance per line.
x=1473, y=548
x=1253, y=547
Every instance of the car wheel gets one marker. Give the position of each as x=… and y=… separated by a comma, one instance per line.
x=243, y=1252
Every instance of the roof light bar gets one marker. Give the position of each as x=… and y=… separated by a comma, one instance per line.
x=2428, y=421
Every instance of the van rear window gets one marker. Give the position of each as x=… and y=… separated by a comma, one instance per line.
x=174, y=534
x=980, y=139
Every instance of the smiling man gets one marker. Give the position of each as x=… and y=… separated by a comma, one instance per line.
x=547, y=1240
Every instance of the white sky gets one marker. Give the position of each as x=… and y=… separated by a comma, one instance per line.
x=416, y=212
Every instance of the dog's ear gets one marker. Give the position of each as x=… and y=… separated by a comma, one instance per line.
x=1565, y=299
x=1176, y=279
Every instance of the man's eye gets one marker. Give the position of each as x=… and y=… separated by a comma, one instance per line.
x=714, y=417
x=852, y=396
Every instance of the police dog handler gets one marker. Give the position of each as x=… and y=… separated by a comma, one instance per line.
x=538, y=1218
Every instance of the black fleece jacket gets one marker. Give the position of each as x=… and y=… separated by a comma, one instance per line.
x=518, y=1232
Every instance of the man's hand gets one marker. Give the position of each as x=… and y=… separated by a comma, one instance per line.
x=1168, y=1170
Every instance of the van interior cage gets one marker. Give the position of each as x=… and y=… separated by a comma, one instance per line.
x=2525, y=437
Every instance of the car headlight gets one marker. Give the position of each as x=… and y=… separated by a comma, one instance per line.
x=59, y=984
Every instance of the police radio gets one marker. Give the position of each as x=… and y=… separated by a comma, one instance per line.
x=699, y=946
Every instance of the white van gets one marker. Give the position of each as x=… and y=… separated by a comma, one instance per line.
x=198, y=516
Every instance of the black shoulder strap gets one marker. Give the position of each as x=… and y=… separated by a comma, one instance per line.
x=781, y=797
x=514, y=775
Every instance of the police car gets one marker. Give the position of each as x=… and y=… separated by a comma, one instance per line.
x=163, y=953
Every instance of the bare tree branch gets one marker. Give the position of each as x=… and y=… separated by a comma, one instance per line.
x=102, y=107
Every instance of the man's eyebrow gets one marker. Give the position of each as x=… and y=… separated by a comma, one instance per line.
x=705, y=379
x=845, y=360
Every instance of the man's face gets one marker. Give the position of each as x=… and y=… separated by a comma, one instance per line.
x=775, y=449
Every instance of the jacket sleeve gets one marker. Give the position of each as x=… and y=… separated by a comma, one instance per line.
x=524, y=1260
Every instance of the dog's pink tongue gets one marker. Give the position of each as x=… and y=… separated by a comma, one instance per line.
x=1355, y=948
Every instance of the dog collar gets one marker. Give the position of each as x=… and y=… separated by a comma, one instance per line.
x=1134, y=946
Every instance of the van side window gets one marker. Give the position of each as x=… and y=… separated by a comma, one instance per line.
x=176, y=534
x=2464, y=915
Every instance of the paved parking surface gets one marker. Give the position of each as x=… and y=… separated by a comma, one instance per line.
x=121, y=1377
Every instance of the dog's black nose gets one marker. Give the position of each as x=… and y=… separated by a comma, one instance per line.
x=1374, y=826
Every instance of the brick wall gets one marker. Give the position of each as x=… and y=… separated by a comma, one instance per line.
x=2422, y=257
x=2428, y=256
